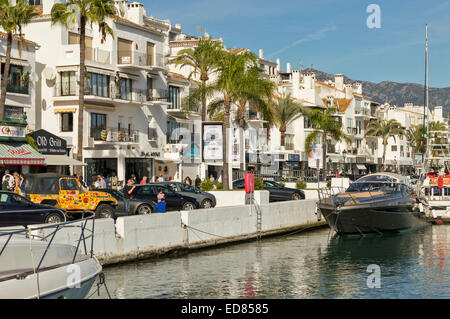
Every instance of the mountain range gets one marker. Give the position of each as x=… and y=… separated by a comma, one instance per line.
x=396, y=93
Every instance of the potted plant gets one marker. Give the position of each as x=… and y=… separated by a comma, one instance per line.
x=121, y=136
x=26, y=79
x=104, y=135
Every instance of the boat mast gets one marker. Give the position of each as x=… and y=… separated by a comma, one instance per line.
x=425, y=103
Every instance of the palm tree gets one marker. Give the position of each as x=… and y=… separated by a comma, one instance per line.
x=232, y=68
x=83, y=12
x=414, y=134
x=326, y=125
x=285, y=111
x=12, y=19
x=203, y=61
x=384, y=129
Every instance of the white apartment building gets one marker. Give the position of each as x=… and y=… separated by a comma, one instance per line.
x=21, y=88
x=130, y=95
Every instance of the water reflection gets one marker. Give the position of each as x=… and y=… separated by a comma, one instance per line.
x=310, y=265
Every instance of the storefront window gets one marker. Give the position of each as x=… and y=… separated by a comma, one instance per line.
x=102, y=166
x=140, y=167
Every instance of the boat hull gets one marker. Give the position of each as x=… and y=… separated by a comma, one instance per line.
x=369, y=220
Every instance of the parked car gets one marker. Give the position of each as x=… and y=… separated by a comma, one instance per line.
x=17, y=210
x=137, y=206
x=277, y=192
x=205, y=199
x=174, y=201
x=68, y=194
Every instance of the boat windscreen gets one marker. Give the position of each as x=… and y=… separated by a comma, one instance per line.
x=377, y=178
x=376, y=187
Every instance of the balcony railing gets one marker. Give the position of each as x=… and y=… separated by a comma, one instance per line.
x=115, y=135
x=142, y=59
x=12, y=88
x=158, y=95
x=152, y=134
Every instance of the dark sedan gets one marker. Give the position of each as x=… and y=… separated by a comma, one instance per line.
x=16, y=210
x=174, y=201
x=205, y=199
x=137, y=206
x=277, y=192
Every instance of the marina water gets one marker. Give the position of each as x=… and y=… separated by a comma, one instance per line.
x=313, y=264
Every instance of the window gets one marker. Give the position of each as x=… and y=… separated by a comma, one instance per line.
x=125, y=89
x=68, y=83
x=74, y=38
x=394, y=148
x=66, y=122
x=124, y=51
x=69, y=184
x=173, y=132
x=174, y=97
x=149, y=89
x=289, y=142
x=35, y=2
x=98, y=124
x=98, y=84
x=13, y=112
x=146, y=190
x=150, y=53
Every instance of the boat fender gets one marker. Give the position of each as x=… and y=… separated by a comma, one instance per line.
x=318, y=214
x=439, y=222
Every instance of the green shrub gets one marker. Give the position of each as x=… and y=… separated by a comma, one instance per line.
x=207, y=185
x=219, y=186
x=283, y=184
x=259, y=185
x=329, y=184
x=301, y=184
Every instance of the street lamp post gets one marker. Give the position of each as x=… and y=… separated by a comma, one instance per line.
x=344, y=153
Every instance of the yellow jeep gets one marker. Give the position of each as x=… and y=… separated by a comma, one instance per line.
x=68, y=194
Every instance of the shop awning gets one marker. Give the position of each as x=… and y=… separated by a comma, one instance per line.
x=62, y=160
x=19, y=153
x=361, y=167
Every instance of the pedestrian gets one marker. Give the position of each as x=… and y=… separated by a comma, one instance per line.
x=16, y=183
x=160, y=195
x=100, y=183
x=114, y=181
x=127, y=191
x=188, y=180
x=160, y=178
x=83, y=184
x=198, y=181
x=144, y=180
x=134, y=178
x=22, y=184
x=107, y=180
x=10, y=179
x=161, y=206
x=5, y=183
x=211, y=178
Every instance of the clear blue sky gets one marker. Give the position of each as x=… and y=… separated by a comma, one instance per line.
x=331, y=35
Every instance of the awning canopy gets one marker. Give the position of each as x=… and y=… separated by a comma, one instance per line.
x=19, y=153
x=361, y=167
x=62, y=160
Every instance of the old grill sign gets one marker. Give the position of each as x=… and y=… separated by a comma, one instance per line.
x=48, y=143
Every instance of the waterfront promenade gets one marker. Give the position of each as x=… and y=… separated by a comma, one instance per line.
x=139, y=237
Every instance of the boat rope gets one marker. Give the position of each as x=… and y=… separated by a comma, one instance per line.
x=190, y=227
x=101, y=282
x=33, y=264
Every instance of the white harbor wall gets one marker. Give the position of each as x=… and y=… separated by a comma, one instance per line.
x=236, y=198
x=137, y=237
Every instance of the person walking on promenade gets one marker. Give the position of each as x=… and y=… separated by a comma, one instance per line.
x=16, y=183
x=22, y=184
x=5, y=183
x=188, y=180
x=198, y=181
x=160, y=178
x=114, y=181
x=127, y=191
x=144, y=180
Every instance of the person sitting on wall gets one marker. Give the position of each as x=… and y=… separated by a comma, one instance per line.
x=161, y=206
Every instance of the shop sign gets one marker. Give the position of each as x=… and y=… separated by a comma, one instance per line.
x=48, y=143
x=212, y=142
x=12, y=131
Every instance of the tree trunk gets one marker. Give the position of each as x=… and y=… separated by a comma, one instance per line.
x=79, y=169
x=203, y=101
x=283, y=135
x=5, y=76
x=324, y=154
x=384, y=155
x=225, y=126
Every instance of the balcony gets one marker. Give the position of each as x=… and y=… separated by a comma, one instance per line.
x=352, y=130
x=140, y=60
x=114, y=135
x=93, y=56
x=157, y=95
x=362, y=113
x=17, y=88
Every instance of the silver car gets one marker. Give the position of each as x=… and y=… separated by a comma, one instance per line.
x=205, y=199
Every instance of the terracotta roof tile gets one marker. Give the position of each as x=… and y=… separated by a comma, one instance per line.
x=343, y=104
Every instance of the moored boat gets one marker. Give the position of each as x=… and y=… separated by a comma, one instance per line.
x=376, y=203
x=33, y=268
